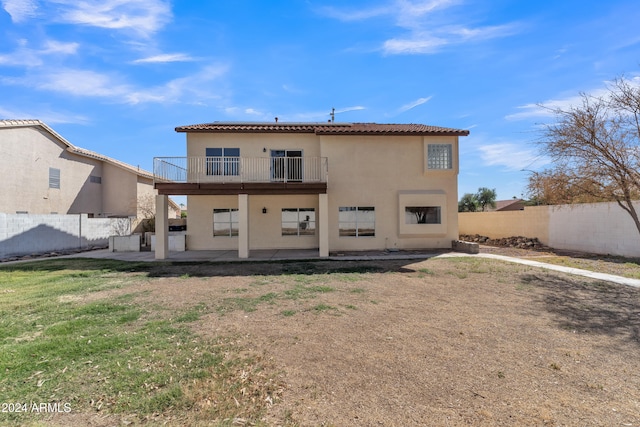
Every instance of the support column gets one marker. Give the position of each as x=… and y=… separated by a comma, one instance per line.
x=162, y=226
x=243, y=226
x=323, y=224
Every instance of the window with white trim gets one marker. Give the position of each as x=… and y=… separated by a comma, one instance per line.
x=298, y=222
x=439, y=156
x=357, y=221
x=225, y=222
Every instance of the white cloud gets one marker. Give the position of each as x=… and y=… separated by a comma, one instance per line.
x=26, y=56
x=546, y=109
x=20, y=10
x=347, y=109
x=512, y=156
x=354, y=14
x=427, y=24
x=86, y=83
x=143, y=17
x=165, y=57
x=82, y=83
x=433, y=40
x=414, y=104
x=189, y=89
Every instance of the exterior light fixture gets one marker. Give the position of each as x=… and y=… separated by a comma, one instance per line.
x=264, y=210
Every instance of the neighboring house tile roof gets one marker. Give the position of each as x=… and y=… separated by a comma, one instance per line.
x=324, y=128
x=72, y=148
x=510, y=204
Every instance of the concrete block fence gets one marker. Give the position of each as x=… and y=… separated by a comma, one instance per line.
x=24, y=234
x=599, y=228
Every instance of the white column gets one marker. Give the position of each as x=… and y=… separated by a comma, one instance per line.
x=323, y=224
x=162, y=226
x=243, y=226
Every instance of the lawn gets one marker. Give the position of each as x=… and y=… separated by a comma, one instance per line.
x=457, y=341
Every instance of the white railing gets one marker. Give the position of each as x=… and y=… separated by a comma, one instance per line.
x=240, y=169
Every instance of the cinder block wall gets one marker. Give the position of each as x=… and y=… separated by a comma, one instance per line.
x=531, y=222
x=600, y=228
x=27, y=234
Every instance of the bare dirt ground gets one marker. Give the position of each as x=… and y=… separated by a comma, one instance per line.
x=442, y=342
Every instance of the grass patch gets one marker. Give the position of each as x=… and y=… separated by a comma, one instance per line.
x=113, y=354
x=323, y=307
x=192, y=314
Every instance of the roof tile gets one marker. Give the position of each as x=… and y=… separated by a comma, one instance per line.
x=323, y=128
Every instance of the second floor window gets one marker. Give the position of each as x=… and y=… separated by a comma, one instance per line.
x=439, y=156
x=223, y=161
x=54, y=178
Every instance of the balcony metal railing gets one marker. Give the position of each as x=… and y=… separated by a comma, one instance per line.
x=240, y=169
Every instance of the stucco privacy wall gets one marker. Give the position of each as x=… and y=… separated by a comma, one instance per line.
x=602, y=228
x=533, y=221
x=26, y=234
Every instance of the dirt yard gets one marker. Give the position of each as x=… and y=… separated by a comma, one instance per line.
x=442, y=342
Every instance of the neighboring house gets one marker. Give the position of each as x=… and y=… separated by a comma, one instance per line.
x=43, y=173
x=508, y=205
x=331, y=186
x=175, y=211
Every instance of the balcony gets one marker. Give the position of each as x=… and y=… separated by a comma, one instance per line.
x=235, y=175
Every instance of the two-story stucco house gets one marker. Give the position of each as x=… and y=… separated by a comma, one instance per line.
x=43, y=173
x=331, y=186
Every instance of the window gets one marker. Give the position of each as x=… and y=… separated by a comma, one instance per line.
x=54, y=178
x=95, y=179
x=439, y=156
x=223, y=161
x=286, y=165
x=225, y=222
x=422, y=215
x=357, y=221
x=298, y=222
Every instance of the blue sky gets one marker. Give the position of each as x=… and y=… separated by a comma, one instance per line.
x=117, y=76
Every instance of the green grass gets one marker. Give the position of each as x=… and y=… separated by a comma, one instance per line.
x=60, y=341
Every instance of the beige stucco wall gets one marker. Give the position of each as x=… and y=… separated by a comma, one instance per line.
x=27, y=155
x=379, y=171
x=533, y=221
x=374, y=171
x=265, y=230
x=252, y=145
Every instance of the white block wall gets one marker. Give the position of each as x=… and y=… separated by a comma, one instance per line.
x=602, y=228
x=29, y=234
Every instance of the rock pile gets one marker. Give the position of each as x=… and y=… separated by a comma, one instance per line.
x=506, y=242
